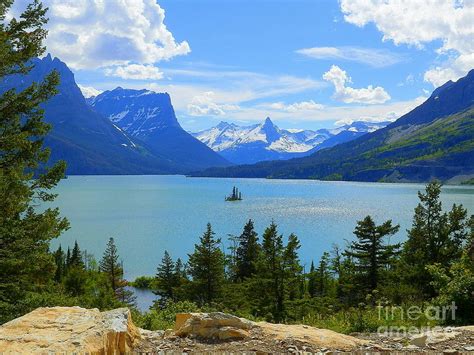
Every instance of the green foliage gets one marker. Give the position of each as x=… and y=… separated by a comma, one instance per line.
x=110, y=264
x=370, y=253
x=162, y=318
x=25, y=232
x=456, y=283
x=436, y=237
x=144, y=282
x=247, y=252
x=169, y=278
x=206, y=267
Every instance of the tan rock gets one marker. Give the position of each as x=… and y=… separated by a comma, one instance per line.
x=321, y=338
x=212, y=325
x=68, y=329
x=419, y=340
x=226, y=333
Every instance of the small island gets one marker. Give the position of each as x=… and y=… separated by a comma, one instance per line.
x=236, y=195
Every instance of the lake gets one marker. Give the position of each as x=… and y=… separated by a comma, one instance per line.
x=150, y=214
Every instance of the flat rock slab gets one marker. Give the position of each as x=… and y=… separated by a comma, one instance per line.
x=68, y=329
x=319, y=338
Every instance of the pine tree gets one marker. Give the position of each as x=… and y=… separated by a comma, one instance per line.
x=206, y=267
x=370, y=252
x=323, y=276
x=167, y=278
x=247, y=252
x=110, y=265
x=269, y=278
x=292, y=268
x=25, y=232
x=60, y=261
x=76, y=257
x=436, y=237
x=180, y=269
x=312, y=281
x=68, y=259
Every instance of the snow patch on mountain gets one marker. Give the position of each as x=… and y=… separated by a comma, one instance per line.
x=265, y=141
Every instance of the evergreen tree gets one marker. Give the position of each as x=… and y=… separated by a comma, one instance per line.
x=269, y=278
x=68, y=259
x=247, y=252
x=312, y=281
x=323, y=275
x=110, y=265
x=180, y=269
x=292, y=268
x=166, y=278
x=75, y=259
x=113, y=269
x=371, y=254
x=206, y=267
x=436, y=237
x=25, y=232
x=60, y=261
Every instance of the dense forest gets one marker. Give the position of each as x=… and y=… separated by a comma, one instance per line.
x=260, y=277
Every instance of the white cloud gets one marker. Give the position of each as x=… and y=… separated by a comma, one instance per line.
x=295, y=107
x=343, y=93
x=88, y=91
x=204, y=105
x=89, y=34
x=374, y=57
x=372, y=113
x=135, y=72
x=416, y=22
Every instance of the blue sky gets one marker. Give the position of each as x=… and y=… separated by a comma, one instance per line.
x=304, y=63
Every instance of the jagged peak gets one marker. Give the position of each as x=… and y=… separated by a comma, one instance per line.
x=268, y=121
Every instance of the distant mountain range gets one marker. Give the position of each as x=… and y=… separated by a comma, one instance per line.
x=266, y=141
x=90, y=143
x=434, y=140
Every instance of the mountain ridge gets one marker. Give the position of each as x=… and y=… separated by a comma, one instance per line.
x=447, y=155
x=150, y=117
x=266, y=141
x=87, y=141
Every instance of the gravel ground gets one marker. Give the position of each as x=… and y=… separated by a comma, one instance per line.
x=462, y=343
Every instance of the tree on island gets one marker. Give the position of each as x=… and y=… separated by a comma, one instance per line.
x=25, y=180
x=235, y=196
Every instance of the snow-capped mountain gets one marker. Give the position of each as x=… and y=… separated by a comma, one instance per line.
x=149, y=117
x=265, y=141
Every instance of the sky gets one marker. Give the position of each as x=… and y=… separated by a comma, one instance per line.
x=305, y=63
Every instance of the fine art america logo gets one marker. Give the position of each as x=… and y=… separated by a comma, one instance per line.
x=413, y=314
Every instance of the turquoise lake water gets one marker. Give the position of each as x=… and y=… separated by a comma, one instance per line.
x=150, y=214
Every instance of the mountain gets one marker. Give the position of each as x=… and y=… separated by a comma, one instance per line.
x=265, y=141
x=86, y=140
x=434, y=140
x=150, y=118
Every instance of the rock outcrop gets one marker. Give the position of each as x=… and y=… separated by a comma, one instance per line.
x=62, y=330
x=315, y=337
x=70, y=329
x=215, y=325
